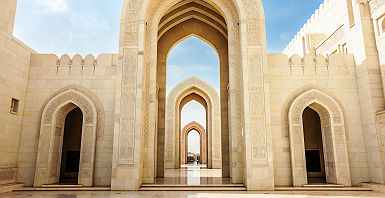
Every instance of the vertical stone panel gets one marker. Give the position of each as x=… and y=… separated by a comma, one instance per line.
x=126, y=139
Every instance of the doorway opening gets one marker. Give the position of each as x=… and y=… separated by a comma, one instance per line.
x=192, y=48
x=70, y=159
x=314, y=151
x=193, y=148
x=193, y=141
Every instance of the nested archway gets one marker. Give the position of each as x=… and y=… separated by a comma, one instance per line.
x=183, y=20
x=183, y=141
x=141, y=89
x=192, y=89
x=51, y=130
x=333, y=135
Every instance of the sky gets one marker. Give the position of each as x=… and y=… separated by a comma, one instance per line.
x=92, y=27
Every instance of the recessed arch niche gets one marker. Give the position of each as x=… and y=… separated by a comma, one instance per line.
x=51, y=128
x=333, y=134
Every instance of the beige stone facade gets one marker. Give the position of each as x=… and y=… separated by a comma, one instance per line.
x=255, y=129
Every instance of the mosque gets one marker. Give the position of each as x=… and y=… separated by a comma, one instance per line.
x=313, y=114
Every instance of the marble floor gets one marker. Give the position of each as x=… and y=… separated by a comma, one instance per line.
x=245, y=194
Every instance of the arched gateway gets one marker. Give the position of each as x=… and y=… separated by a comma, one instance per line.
x=332, y=126
x=72, y=99
x=192, y=89
x=184, y=142
x=236, y=29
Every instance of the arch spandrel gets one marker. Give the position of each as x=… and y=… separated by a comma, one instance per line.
x=333, y=132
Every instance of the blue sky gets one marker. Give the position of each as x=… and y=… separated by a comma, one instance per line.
x=92, y=27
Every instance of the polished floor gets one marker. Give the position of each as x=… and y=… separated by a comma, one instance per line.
x=190, y=174
x=126, y=194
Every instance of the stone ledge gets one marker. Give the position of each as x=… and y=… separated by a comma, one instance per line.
x=4, y=188
x=375, y=187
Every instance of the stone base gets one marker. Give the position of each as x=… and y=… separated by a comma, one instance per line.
x=375, y=187
x=7, y=175
x=4, y=188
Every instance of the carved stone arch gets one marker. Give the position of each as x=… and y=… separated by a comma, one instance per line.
x=183, y=141
x=289, y=100
x=333, y=133
x=247, y=93
x=194, y=87
x=51, y=131
x=91, y=95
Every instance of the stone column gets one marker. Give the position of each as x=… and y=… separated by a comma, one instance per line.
x=128, y=123
x=258, y=144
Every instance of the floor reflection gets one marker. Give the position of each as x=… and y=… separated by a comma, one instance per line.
x=190, y=174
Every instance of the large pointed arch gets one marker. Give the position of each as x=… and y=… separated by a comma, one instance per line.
x=53, y=114
x=141, y=89
x=333, y=131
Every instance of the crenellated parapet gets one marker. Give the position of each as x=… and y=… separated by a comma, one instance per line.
x=296, y=44
x=333, y=65
x=104, y=64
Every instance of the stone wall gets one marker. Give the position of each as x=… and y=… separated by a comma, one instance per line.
x=359, y=34
x=14, y=67
x=334, y=75
x=380, y=120
x=330, y=16
x=48, y=74
x=7, y=15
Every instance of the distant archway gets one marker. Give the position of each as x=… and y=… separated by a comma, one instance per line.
x=192, y=89
x=183, y=142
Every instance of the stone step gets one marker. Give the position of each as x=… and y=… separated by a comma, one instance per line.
x=322, y=189
x=64, y=189
x=323, y=185
x=61, y=186
x=9, y=187
x=192, y=188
